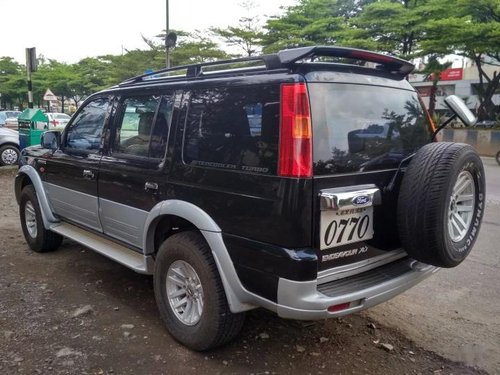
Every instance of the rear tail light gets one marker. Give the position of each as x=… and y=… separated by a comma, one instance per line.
x=295, y=153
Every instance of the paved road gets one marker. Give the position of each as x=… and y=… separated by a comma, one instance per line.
x=456, y=313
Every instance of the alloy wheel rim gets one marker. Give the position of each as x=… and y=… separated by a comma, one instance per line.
x=9, y=156
x=30, y=219
x=185, y=292
x=461, y=208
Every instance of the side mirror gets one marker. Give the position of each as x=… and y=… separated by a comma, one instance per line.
x=458, y=106
x=51, y=139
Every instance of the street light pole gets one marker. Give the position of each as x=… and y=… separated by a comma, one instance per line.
x=167, y=57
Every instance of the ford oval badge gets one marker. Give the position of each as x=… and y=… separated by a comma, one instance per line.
x=361, y=200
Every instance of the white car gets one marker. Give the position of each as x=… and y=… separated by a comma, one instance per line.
x=57, y=120
x=8, y=119
x=9, y=147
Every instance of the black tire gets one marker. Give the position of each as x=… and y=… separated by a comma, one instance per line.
x=43, y=240
x=426, y=205
x=9, y=155
x=498, y=157
x=216, y=325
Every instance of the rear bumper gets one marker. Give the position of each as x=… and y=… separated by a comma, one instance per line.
x=306, y=300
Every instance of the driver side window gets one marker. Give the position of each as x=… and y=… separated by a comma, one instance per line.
x=86, y=130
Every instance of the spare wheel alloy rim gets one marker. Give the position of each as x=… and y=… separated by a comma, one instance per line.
x=30, y=219
x=461, y=208
x=9, y=156
x=185, y=292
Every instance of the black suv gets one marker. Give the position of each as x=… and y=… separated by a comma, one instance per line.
x=306, y=182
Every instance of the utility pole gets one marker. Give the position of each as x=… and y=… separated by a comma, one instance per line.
x=31, y=66
x=167, y=47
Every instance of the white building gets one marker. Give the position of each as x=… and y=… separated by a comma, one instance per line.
x=462, y=82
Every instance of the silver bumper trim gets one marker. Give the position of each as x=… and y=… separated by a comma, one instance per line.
x=303, y=300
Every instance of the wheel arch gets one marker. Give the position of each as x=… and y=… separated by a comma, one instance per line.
x=9, y=143
x=27, y=175
x=190, y=216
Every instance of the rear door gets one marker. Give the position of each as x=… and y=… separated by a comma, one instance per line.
x=132, y=178
x=71, y=173
x=361, y=133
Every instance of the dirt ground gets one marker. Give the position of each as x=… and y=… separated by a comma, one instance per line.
x=76, y=312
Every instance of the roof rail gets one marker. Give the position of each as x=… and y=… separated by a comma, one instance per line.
x=287, y=58
x=195, y=70
x=389, y=63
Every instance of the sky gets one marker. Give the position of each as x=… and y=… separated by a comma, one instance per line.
x=71, y=30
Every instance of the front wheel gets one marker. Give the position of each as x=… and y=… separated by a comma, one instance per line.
x=498, y=157
x=38, y=238
x=190, y=295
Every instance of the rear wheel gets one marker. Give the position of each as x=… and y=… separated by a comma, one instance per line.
x=38, y=238
x=190, y=295
x=498, y=157
x=9, y=155
x=441, y=203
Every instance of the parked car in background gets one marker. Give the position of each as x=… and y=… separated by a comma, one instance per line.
x=9, y=147
x=486, y=124
x=8, y=119
x=58, y=120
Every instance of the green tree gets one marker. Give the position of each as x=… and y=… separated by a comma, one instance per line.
x=312, y=22
x=12, y=82
x=63, y=79
x=191, y=48
x=470, y=28
x=392, y=26
x=247, y=35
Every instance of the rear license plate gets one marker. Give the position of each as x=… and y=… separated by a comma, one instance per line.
x=345, y=226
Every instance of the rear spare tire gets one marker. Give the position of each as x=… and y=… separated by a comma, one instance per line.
x=441, y=203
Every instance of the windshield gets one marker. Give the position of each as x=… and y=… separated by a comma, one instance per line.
x=359, y=127
x=61, y=116
x=13, y=114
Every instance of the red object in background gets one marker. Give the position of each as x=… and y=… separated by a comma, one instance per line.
x=452, y=74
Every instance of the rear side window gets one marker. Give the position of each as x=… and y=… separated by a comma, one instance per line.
x=233, y=128
x=361, y=128
x=142, y=126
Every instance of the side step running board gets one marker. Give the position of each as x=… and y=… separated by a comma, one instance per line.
x=138, y=262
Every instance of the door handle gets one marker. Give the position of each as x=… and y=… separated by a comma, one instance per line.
x=150, y=186
x=88, y=174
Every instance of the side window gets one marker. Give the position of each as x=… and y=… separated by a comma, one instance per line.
x=142, y=128
x=133, y=133
x=85, y=131
x=233, y=128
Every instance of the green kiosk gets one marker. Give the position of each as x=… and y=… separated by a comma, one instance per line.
x=32, y=124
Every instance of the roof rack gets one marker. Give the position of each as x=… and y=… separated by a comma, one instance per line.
x=286, y=58
x=271, y=62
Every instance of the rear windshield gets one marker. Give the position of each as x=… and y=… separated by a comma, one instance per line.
x=360, y=128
